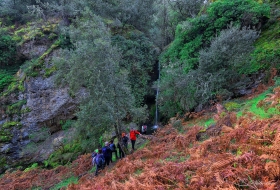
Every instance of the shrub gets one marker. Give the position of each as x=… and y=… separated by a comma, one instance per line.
x=7, y=50
x=5, y=79
x=198, y=32
x=215, y=76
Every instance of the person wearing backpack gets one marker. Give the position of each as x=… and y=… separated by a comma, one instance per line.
x=113, y=149
x=133, y=134
x=98, y=161
x=107, y=153
x=125, y=140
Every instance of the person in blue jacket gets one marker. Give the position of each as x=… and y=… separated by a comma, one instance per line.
x=107, y=153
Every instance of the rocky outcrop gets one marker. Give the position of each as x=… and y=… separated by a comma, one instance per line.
x=43, y=112
x=48, y=106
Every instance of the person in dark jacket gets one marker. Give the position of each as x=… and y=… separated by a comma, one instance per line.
x=107, y=153
x=113, y=149
x=125, y=140
x=133, y=134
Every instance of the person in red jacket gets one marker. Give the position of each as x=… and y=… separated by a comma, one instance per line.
x=133, y=134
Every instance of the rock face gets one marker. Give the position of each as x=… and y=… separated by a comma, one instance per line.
x=48, y=106
x=44, y=112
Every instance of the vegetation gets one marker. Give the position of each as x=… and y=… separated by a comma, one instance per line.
x=5, y=79
x=178, y=160
x=108, y=92
x=108, y=52
x=7, y=49
x=197, y=67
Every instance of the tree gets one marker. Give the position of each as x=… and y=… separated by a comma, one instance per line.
x=196, y=33
x=138, y=58
x=186, y=8
x=216, y=75
x=8, y=51
x=94, y=65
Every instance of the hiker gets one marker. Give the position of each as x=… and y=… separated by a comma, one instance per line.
x=121, y=153
x=133, y=134
x=113, y=149
x=125, y=140
x=99, y=161
x=144, y=129
x=107, y=153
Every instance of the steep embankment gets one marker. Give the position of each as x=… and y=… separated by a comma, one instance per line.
x=237, y=152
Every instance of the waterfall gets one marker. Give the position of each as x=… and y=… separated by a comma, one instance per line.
x=156, y=119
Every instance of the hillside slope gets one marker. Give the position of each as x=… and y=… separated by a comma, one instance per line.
x=237, y=152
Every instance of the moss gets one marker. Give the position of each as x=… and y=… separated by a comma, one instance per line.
x=33, y=166
x=3, y=162
x=4, y=138
x=9, y=124
x=209, y=122
x=5, y=135
x=259, y=112
x=35, y=66
x=65, y=183
x=14, y=86
x=52, y=36
x=267, y=51
x=232, y=106
x=25, y=110
x=16, y=107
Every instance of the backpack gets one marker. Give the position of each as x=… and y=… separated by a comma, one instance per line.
x=99, y=160
x=106, y=151
x=112, y=147
x=93, y=154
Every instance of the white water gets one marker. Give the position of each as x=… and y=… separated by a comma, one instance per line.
x=156, y=119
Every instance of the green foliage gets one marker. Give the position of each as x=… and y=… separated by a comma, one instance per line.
x=267, y=52
x=65, y=154
x=209, y=122
x=192, y=35
x=33, y=166
x=7, y=49
x=49, y=71
x=33, y=67
x=128, y=12
x=9, y=124
x=138, y=60
x=5, y=137
x=3, y=162
x=15, y=86
x=5, y=79
x=67, y=124
x=216, y=74
x=16, y=107
x=94, y=64
x=259, y=111
x=65, y=183
x=232, y=106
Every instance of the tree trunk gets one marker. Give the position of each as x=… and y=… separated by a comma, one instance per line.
x=119, y=137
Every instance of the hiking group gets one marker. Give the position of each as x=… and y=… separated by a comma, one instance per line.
x=103, y=156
